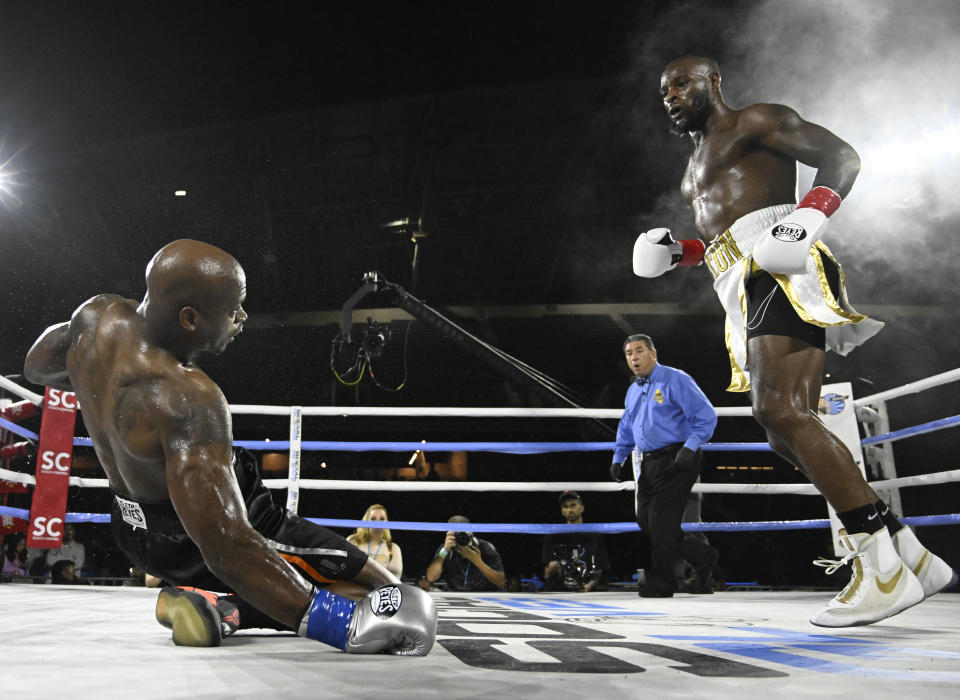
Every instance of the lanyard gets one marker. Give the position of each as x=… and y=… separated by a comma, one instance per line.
x=465, y=572
x=375, y=554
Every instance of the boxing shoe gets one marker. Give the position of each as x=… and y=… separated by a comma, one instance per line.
x=197, y=617
x=934, y=573
x=881, y=584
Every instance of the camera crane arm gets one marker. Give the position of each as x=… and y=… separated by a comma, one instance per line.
x=552, y=391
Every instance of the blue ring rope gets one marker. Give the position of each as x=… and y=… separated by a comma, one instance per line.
x=547, y=529
x=22, y=432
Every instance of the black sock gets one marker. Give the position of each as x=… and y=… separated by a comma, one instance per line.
x=889, y=519
x=863, y=519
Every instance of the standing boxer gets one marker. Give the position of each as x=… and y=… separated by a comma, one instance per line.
x=785, y=301
x=186, y=509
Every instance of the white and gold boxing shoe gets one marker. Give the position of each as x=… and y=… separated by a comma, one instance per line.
x=934, y=573
x=881, y=584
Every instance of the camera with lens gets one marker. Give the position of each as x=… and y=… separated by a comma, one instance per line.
x=465, y=539
x=573, y=571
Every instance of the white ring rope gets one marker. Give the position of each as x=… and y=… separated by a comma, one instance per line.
x=439, y=411
x=296, y=413
x=943, y=477
x=15, y=388
x=455, y=412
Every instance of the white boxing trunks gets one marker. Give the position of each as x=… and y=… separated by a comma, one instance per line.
x=729, y=259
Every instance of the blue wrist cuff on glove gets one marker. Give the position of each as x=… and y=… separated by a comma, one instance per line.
x=328, y=619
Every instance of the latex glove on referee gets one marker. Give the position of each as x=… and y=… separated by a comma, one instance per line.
x=684, y=457
x=656, y=252
x=393, y=619
x=785, y=248
x=616, y=471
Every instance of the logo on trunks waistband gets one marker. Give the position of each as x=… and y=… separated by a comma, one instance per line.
x=385, y=601
x=791, y=233
x=722, y=254
x=132, y=513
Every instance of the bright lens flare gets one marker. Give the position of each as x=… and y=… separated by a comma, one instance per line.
x=8, y=186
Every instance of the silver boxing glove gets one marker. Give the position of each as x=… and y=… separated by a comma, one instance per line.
x=393, y=619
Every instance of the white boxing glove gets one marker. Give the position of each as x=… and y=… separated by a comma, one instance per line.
x=655, y=252
x=785, y=248
x=393, y=619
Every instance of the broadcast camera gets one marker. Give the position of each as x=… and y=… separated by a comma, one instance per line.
x=574, y=571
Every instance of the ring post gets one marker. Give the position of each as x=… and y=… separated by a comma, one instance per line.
x=296, y=436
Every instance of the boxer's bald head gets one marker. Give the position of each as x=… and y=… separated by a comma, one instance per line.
x=694, y=65
x=190, y=273
x=194, y=296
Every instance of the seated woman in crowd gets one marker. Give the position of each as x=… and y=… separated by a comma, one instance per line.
x=15, y=555
x=376, y=541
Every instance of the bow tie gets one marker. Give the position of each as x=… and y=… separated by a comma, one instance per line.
x=642, y=380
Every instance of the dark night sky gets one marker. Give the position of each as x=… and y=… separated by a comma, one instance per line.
x=117, y=70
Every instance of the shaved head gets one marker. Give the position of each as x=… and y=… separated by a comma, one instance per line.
x=694, y=65
x=192, y=273
x=194, y=300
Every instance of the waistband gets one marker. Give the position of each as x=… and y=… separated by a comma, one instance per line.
x=674, y=447
x=737, y=241
x=158, y=517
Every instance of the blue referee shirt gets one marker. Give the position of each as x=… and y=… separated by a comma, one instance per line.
x=663, y=409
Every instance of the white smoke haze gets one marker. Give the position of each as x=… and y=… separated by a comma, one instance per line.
x=884, y=75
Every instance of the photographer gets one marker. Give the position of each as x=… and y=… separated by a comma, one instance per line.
x=574, y=561
x=466, y=562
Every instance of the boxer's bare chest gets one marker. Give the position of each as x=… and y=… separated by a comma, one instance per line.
x=728, y=175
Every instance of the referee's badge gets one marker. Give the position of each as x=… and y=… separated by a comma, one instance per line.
x=658, y=396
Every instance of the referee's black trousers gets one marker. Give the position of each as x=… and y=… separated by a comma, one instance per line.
x=661, y=497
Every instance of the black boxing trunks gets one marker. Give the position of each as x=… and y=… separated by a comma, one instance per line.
x=153, y=538
x=769, y=311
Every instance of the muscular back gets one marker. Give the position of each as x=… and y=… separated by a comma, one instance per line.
x=738, y=167
x=138, y=402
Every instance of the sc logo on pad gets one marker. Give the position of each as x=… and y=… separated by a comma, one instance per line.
x=55, y=462
x=43, y=528
x=385, y=601
x=63, y=400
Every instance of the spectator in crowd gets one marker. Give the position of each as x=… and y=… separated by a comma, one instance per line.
x=15, y=554
x=69, y=549
x=64, y=572
x=666, y=420
x=466, y=562
x=377, y=541
x=574, y=561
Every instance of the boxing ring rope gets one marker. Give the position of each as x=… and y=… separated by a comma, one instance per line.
x=296, y=444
